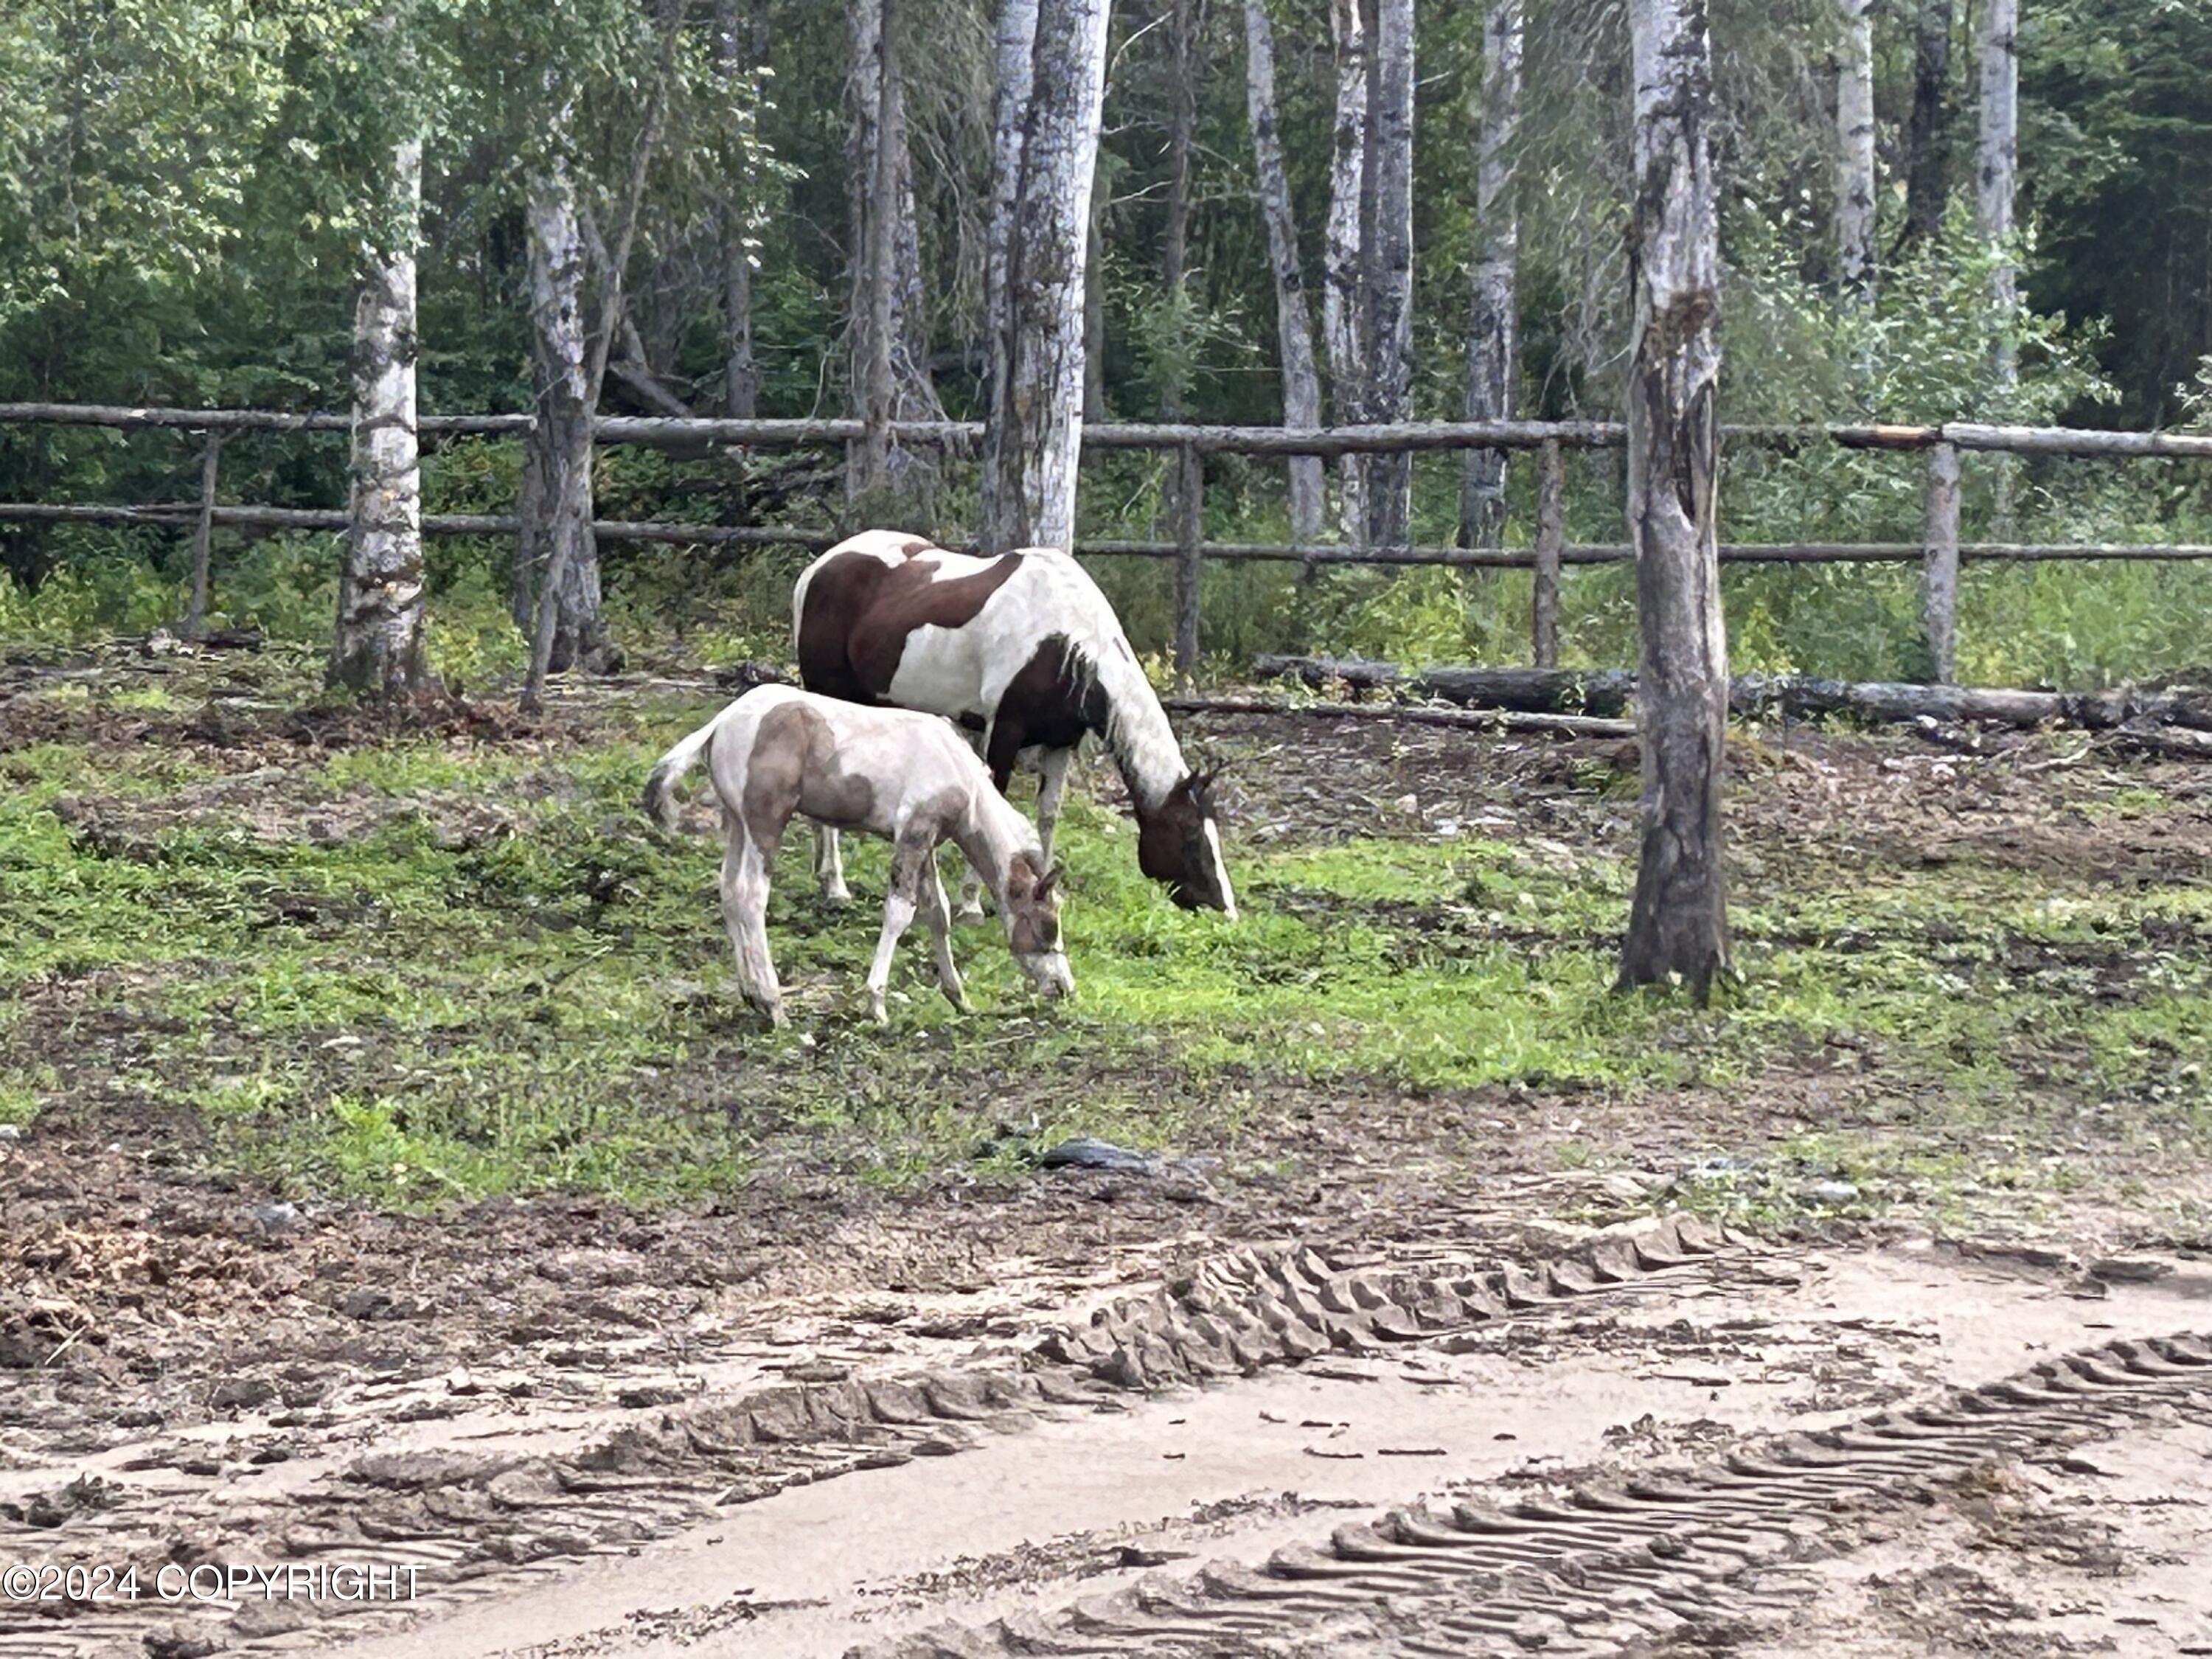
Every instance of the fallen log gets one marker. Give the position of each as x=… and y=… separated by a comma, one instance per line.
x=1603, y=692
x=1795, y=696
x=1476, y=719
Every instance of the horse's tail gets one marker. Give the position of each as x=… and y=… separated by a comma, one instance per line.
x=669, y=770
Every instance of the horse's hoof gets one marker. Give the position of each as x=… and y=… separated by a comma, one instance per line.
x=968, y=915
x=877, y=1013
x=840, y=900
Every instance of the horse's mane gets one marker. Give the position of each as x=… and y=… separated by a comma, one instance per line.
x=1097, y=652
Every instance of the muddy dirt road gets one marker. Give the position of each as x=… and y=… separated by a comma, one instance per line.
x=1656, y=1432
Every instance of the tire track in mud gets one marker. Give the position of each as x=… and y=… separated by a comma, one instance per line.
x=1604, y=1566
x=472, y=1521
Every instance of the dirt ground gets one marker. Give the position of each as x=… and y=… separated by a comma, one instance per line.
x=1399, y=1377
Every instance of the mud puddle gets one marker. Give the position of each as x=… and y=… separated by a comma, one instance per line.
x=1097, y=1504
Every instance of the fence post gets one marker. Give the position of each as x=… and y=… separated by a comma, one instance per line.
x=1550, y=537
x=195, y=622
x=1939, y=575
x=1190, y=522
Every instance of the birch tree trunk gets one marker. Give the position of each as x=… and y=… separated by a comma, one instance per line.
x=1390, y=270
x=1928, y=170
x=1094, y=311
x=1997, y=159
x=739, y=60
x=1678, y=919
x=1494, y=364
x=1343, y=300
x=378, y=646
x=873, y=168
x=1013, y=56
x=556, y=499
x=1293, y=318
x=1032, y=439
x=1175, y=238
x=1855, y=163
x=890, y=330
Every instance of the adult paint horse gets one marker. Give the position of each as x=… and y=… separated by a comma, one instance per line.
x=777, y=753
x=1025, y=648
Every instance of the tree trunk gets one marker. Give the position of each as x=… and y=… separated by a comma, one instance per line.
x=1492, y=334
x=1996, y=161
x=1032, y=440
x=1927, y=140
x=1175, y=234
x=1293, y=319
x=556, y=505
x=1855, y=164
x=872, y=167
x=378, y=646
x=1678, y=919
x=1094, y=311
x=890, y=330
x=741, y=370
x=1343, y=294
x=1390, y=270
x=1013, y=57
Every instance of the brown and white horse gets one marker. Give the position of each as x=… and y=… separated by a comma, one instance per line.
x=1025, y=648
x=779, y=753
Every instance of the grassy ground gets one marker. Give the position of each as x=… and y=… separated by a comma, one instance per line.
x=454, y=961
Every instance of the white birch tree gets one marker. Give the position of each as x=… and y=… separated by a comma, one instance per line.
x=1389, y=263
x=1677, y=919
x=1855, y=156
x=1493, y=359
x=1033, y=432
x=1293, y=317
x=378, y=646
x=1343, y=293
x=1996, y=165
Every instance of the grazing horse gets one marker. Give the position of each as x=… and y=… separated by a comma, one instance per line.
x=778, y=753
x=1025, y=648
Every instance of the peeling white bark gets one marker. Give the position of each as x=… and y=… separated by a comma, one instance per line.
x=1343, y=302
x=1032, y=440
x=378, y=646
x=556, y=498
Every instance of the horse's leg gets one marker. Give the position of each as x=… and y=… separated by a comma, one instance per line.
x=829, y=867
x=909, y=863
x=1052, y=784
x=938, y=916
x=971, y=882
x=745, y=863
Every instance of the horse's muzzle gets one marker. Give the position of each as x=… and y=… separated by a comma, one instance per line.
x=1049, y=971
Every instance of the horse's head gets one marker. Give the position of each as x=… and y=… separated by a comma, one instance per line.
x=1031, y=909
x=1178, y=843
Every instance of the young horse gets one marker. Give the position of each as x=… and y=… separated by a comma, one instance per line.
x=1025, y=647
x=777, y=753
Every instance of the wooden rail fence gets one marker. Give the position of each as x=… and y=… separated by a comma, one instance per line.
x=1940, y=553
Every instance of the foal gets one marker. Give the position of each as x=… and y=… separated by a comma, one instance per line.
x=778, y=753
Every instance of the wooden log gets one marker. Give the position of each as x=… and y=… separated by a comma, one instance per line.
x=1939, y=581
x=1606, y=693
x=1529, y=690
x=1551, y=543
x=1474, y=720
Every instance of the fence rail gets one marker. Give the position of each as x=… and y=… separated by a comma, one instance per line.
x=1940, y=553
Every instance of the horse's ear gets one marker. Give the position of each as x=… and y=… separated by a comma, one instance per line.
x=1049, y=885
